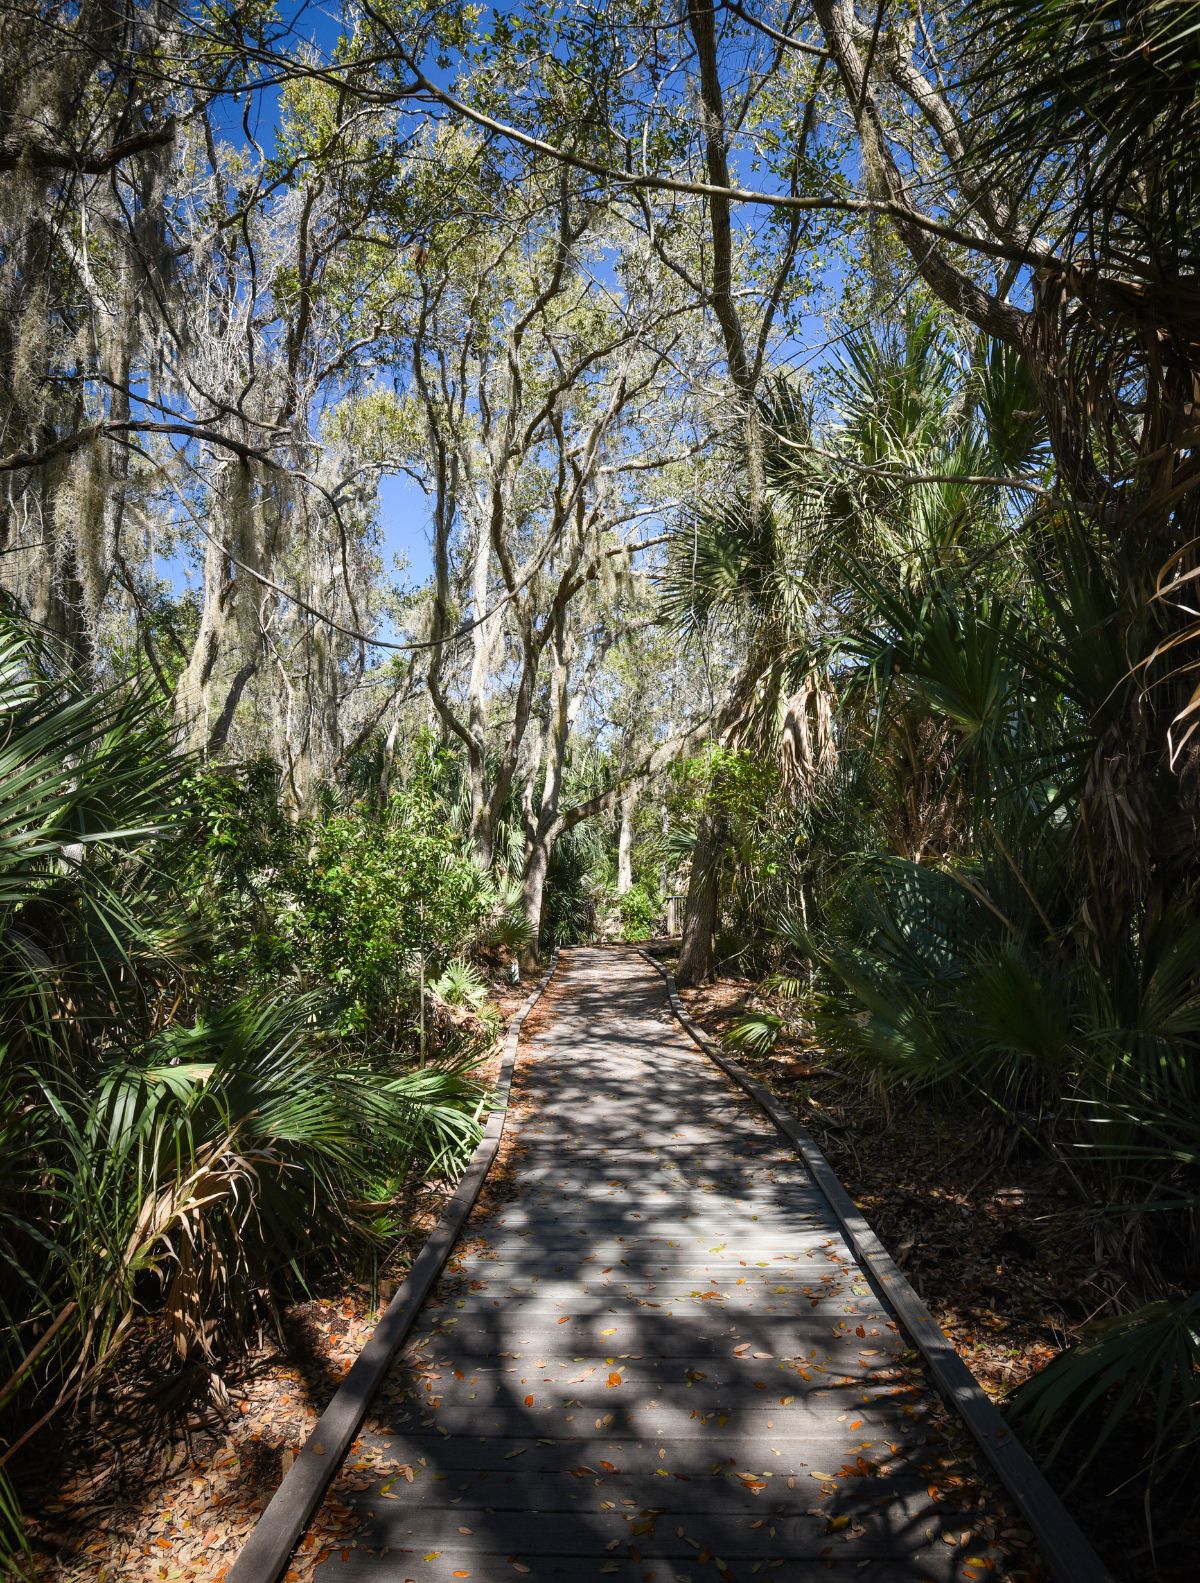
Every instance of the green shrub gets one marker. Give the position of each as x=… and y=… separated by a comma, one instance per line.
x=641, y=912
x=168, y=1146
x=343, y=904
x=377, y=892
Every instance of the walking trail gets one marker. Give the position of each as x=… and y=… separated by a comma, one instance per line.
x=653, y=1355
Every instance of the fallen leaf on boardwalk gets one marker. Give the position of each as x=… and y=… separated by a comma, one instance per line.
x=614, y=1379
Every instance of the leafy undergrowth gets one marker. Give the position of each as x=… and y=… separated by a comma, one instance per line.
x=997, y=1241
x=118, y=1503
x=164, y=1485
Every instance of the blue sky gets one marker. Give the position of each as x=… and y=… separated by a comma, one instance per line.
x=404, y=523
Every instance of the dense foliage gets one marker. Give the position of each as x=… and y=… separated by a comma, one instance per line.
x=209, y=1090
x=792, y=414
x=970, y=901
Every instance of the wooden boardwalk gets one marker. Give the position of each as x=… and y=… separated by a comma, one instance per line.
x=654, y=1357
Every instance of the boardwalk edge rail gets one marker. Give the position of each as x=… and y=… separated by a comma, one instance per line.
x=273, y=1538
x=1067, y=1552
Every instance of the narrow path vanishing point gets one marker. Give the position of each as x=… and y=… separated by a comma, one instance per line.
x=655, y=1358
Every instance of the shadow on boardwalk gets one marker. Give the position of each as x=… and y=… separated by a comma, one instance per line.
x=652, y=1356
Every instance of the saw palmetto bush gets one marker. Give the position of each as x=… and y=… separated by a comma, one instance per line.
x=999, y=872
x=164, y=1161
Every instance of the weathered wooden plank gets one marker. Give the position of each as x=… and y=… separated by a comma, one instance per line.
x=575, y=1195
x=503, y=1411
x=756, y=1494
x=763, y=1178
x=909, y=1522
x=661, y=1325
x=691, y=1305
x=527, y=1370
x=721, y=1213
x=1069, y=1554
x=365, y=1566
x=789, y=1267
x=430, y=1455
x=796, y=1235
x=709, y=1336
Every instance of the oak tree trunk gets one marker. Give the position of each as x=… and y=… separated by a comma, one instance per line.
x=625, y=843
x=533, y=886
x=696, y=957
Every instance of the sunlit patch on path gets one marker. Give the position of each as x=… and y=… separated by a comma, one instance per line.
x=655, y=1358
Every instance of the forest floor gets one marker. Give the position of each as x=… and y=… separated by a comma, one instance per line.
x=1000, y=1247
x=155, y=1487
x=995, y=1239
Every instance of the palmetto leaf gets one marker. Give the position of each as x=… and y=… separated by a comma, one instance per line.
x=757, y=1032
x=147, y=1152
x=1148, y=1357
x=1098, y=100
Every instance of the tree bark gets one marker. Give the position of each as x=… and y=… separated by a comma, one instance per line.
x=533, y=886
x=697, y=953
x=547, y=827
x=700, y=909
x=625, y=842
